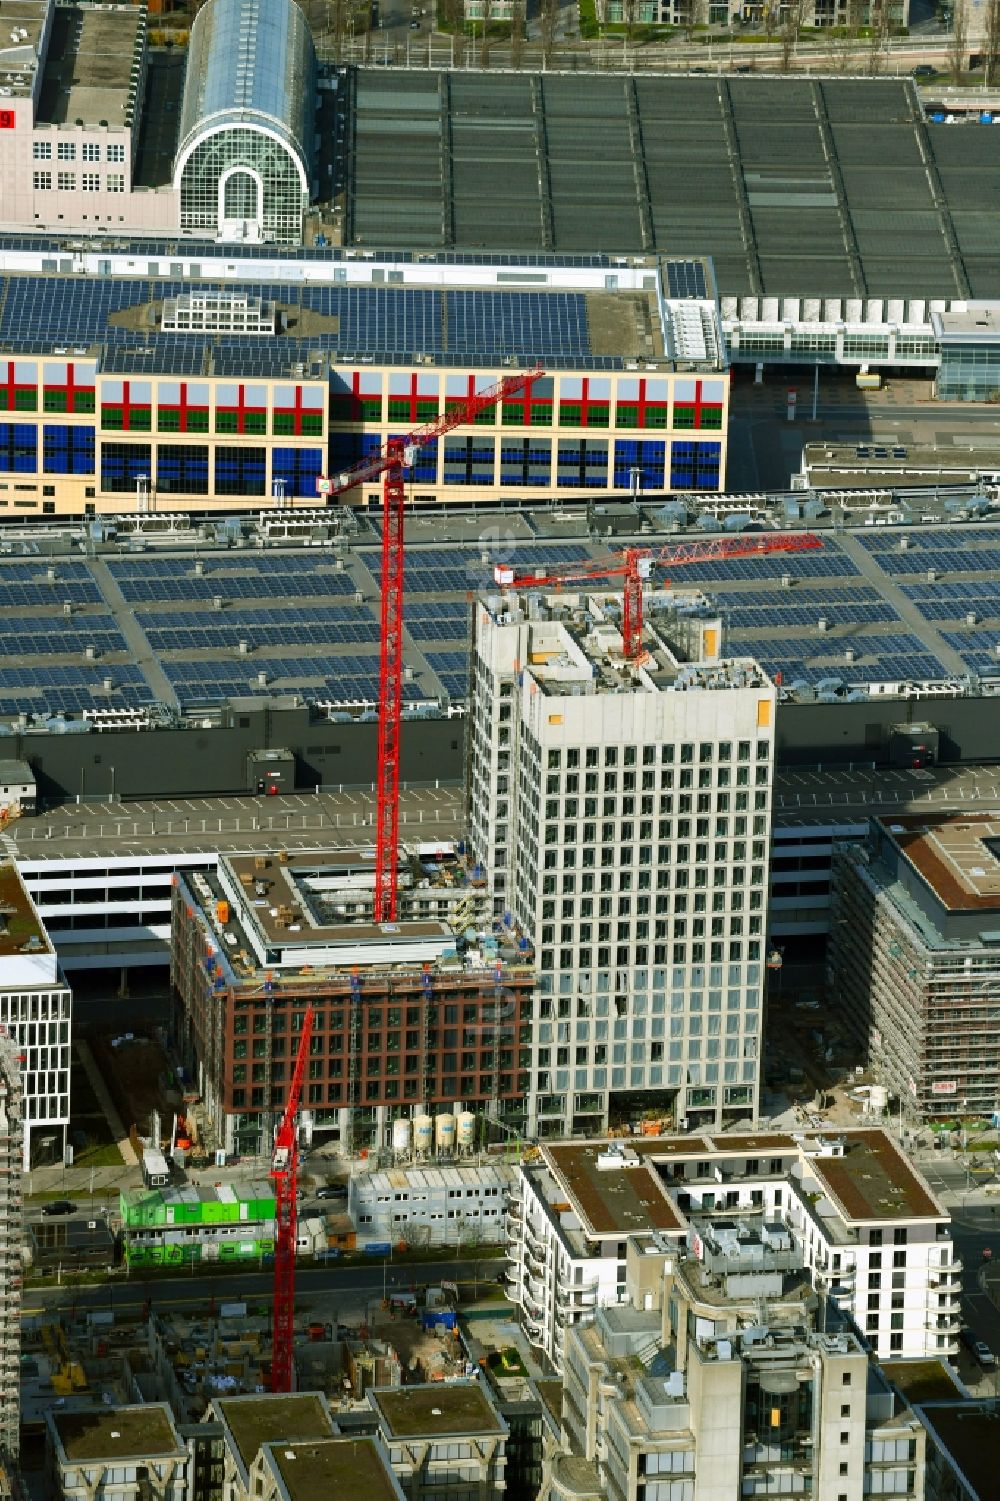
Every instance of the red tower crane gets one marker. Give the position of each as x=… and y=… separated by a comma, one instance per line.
x=389, y=462
x=285, y=1174
x=637, y=563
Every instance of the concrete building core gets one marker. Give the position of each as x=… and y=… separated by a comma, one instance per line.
x=622, y=811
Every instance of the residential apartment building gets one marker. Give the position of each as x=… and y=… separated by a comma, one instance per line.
x=622, y=811
x=11, y=1229
x=435, y=1442
x=329, y=1467
x=914, y=954
x=106, y=1454
x=445, y=1443
x=248, y=1424
x=850, y=1209
x=713, y=1385
x=36, y=1008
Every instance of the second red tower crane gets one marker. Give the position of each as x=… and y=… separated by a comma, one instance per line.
x=389, y=463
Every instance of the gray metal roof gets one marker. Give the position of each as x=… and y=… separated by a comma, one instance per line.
x=796, y=187
x=250, y=62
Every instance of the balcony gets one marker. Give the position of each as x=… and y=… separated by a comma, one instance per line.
x=576, y=1297
x=948, y=1323
x=534, y=1285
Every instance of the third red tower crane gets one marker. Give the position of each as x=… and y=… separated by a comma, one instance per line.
x=285, y=1175
x=389, y=463
x=637, y=563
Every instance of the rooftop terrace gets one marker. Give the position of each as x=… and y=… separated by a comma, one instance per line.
x=452, y=1408
x=21, y=932
x=873, y=1180
x=269, y=1419
x=618, y=1201
x=126, y=1433
x=335, y=1467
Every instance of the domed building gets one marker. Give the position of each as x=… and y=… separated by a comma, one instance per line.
x=242, y=169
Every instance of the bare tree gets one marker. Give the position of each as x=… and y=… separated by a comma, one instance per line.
x=629, y=8
x=879, y=34
x=487, y=41
x=549, y=17
x=790, y=29
x=517, y=33
x=991, y=41
x=958, y=44
x=338, y=25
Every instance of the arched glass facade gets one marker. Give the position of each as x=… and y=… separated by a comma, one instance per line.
x=242, y=168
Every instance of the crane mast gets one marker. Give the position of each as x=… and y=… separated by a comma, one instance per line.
x=389, y=463
x=285, y=1176
x=637, y=563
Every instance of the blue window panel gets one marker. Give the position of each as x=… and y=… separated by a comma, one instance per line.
x=240, y=471
x=18, y=447
x=424, y=468
x=67, y=449
x=182, y=468
x=123, y=465
x=648, y=456
x=347, y=448
x=469, y=461
x=695, y=466
x=298, y=469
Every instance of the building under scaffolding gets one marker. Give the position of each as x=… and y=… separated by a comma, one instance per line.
x=914, y=952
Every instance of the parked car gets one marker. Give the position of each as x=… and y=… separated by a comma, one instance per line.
x=979, y=1348
x=925, y=70
x=332, y=1191
x=59, y=1206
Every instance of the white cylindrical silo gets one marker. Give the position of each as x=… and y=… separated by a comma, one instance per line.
x=401, y=1137
x=444, y=1132
x=466, y=1131
x=423, y=1135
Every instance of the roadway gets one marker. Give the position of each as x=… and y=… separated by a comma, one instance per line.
x=332, y=1289
x=397, y=45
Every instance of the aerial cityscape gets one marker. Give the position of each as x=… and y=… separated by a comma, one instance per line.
x=499, y=788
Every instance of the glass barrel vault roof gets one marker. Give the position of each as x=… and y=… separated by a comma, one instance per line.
x=249, y=62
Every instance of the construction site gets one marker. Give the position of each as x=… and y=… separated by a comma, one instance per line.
x=107, y=1358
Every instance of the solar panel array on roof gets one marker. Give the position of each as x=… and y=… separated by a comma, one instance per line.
x=70, y=690
x=264, y=576
x=194, y=630
x=60, y=635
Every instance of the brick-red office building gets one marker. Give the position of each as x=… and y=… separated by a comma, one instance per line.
x=407, y=1017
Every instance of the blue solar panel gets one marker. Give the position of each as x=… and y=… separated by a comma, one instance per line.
x=279, y=577
x=686, y=279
